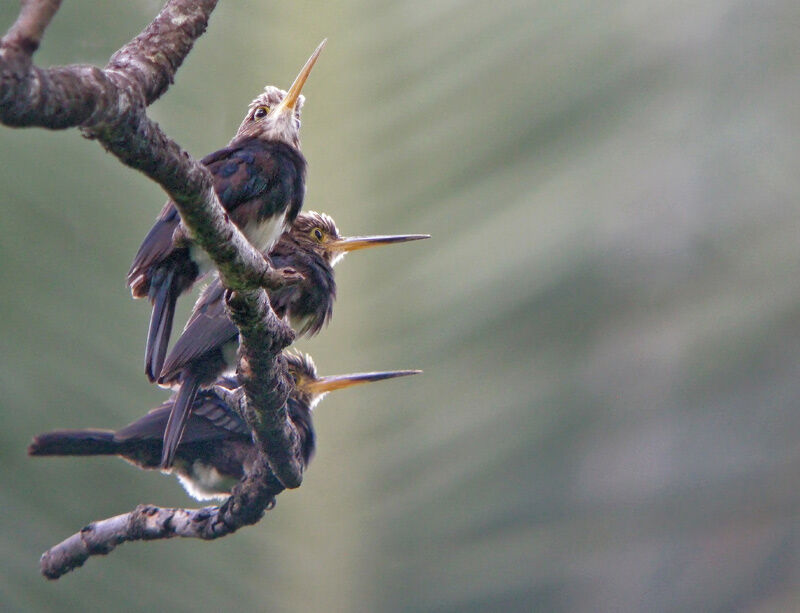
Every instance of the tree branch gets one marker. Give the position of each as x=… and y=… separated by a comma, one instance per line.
x=109, y=105
x=260, y=349
x=151, y=59
x=246, y=505
x=27, y=31
x=81, y=95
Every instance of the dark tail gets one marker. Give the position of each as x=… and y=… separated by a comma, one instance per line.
x=164, y=295
x=178, y=417
x=75, y=442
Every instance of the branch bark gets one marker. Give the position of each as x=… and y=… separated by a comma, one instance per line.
x=109, y=105
x=266, y=382
x=246, y=506
x=27, y=31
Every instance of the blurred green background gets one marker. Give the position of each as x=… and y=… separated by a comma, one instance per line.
x=608, y=313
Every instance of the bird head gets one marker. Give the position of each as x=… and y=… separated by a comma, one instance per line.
x=311, y=388
x=318, y=232
x=275, y=113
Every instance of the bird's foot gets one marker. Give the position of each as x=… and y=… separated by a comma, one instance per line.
x=276, y=278
x=234, y=398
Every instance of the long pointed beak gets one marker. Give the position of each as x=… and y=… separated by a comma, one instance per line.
x=354, y=243
x=294, y=91
x=323, y=385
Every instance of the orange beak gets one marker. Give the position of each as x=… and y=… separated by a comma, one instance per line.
x=354, y=243
x=323, y=385
x=288, y=103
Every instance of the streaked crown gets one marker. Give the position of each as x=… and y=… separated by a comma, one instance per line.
x=263, y=104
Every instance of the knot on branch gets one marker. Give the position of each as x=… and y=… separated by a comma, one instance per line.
x=276, y=278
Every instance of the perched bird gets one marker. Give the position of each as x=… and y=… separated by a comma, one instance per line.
x=207, y=347
x=259, y=179
x=217, y=449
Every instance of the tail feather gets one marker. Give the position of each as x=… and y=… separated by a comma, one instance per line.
x=178, y=418
x=164, y=300
x=75, y=442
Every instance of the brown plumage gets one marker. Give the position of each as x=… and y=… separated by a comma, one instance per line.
x=259, y=179
x=217, y=448
x=207, y=347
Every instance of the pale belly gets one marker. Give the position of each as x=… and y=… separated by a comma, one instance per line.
x=263, y=236
x=204, y=482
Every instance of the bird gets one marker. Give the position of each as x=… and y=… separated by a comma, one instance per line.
x=207, y=347
x=217, y=449
x=259, y=179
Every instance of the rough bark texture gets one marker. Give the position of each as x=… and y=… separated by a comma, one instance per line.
x=109, y=105
x=274, y=431
x=245, y=506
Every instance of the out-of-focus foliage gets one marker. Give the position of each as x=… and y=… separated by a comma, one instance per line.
x=608, y=314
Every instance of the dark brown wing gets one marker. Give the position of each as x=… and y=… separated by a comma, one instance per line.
x=209, y=304
x=256, y=180
x=149, y=427
x=207, y=330
x=244, y=174
x=211, y=419
x=157, y=244
x=213, y=410
x=155, y=247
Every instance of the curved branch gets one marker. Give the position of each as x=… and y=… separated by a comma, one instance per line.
x=248, y=502
x=81, y=95
x=151, y=59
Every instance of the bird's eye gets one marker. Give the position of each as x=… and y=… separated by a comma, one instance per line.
x=261, y=112
x=317, y=233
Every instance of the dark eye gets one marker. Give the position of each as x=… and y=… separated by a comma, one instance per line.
x=317, y=233
x=261, y=112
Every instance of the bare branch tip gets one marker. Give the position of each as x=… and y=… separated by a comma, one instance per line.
x=28, y=29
